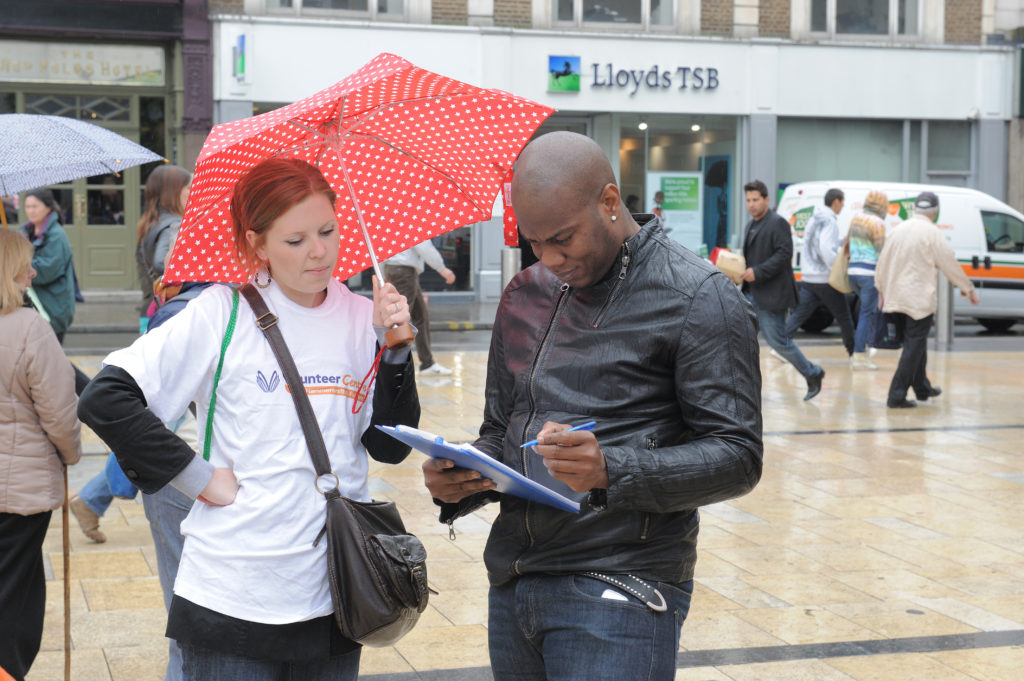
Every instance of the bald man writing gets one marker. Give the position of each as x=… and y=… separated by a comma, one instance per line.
x=621, y=325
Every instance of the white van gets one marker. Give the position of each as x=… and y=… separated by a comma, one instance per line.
x=986, y=234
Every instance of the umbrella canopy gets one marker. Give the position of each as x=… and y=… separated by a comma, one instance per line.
x=39, y=150
x=410, y=153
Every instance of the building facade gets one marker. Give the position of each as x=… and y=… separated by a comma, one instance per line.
x=690, y=98
x=141, y=68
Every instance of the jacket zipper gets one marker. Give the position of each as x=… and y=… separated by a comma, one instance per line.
x=563, y=292
x=615, y=286
x=652, y=443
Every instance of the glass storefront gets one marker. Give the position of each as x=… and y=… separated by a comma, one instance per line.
x=682, y=167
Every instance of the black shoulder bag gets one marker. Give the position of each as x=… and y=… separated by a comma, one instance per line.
x=377, y=571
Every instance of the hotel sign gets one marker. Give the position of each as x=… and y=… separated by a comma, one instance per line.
x=32, y=62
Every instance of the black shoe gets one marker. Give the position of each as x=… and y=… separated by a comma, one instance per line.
x=814, y=384
x=901, y=404
x=931, y=392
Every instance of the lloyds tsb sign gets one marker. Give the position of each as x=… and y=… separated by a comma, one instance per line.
x=680, y=78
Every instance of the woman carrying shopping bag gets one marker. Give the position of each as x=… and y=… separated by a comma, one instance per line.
x=251, y=599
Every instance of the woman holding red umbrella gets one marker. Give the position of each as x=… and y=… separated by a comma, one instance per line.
x=251, y=596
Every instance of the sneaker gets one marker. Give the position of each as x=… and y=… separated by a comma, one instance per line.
x=872, y=351
x=436, y=369
x=87, y=519
x=860, y=361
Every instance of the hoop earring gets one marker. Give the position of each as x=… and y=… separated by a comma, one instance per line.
x=256, y=277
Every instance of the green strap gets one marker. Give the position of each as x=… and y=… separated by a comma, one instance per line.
x=216, y=377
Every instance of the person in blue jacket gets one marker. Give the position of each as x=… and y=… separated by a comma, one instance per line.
x=55, y=280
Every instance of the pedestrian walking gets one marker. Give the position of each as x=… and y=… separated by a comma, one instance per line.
x=54, y=283
x=907, y=286
x=821, y=245
x=621, y=325
x=404, y=270
x=866, y=239
x=251, y=598
x=768, y=281
x=39, y=437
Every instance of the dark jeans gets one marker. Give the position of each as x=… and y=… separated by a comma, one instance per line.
x=22, y=590
x=813, y=295
x=910, y=372
x=571, y=627
x=201, y=664
x=407, y=281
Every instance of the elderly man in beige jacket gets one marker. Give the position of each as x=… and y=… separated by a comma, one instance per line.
x=906, y=281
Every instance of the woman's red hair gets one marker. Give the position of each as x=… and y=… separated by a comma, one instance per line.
x=265, y=193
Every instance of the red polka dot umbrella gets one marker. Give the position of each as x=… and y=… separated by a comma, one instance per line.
x=410, y=153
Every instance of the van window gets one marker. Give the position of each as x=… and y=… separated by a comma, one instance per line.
x=1003, y=233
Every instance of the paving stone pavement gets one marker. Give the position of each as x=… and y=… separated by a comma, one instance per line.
x=880, y=544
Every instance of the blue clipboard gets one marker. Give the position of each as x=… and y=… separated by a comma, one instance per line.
x=507, y=480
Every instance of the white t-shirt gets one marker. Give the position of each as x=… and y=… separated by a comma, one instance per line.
x=254, y=559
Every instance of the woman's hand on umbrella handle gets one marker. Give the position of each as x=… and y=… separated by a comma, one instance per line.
x=390, y=308
x=221, y=489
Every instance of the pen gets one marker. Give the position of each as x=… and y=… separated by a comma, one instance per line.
x=589, y=425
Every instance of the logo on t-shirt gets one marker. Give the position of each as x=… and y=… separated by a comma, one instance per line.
x=265, y=385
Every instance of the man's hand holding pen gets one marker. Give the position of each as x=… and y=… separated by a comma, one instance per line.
x=572, y=456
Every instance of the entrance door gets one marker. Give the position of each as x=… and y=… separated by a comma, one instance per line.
x=100, y=212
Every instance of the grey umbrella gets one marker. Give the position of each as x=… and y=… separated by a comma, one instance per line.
x=38, y=150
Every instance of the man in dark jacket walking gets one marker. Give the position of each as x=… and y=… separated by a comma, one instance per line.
x=768, y=280
x=619, y=324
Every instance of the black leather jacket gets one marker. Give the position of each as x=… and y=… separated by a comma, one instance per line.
x=663, y=354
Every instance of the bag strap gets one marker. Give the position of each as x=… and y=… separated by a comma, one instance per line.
x=267, y=321
x=228, y=333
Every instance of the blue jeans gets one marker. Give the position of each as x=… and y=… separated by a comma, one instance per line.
x=202, y=664
x=165, y=511
x=563, y=628
x=96, y=494
x=773, y=328
x=864, y=286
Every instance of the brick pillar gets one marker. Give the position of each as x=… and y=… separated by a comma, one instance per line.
x=716, y=17
x=513, y=13
x=963, y=22
x=773, y=21
x=452, y=12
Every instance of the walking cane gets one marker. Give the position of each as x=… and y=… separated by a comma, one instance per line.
x=67, y=581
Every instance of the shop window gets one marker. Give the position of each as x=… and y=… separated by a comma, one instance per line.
x=378, y=9
x=615, y=13
x=1003, y=233
x=949, y=146
x=92, y=109
x=681, y=168
x=865, y=17
x=7, y=103
x=830, y=149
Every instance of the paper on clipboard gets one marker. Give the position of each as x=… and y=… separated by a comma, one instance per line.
x=507, y=480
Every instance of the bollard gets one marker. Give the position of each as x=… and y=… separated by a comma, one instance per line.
x=510, y=265
x=944, y=315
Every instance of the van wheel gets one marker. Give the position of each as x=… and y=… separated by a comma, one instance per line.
x=997, y=325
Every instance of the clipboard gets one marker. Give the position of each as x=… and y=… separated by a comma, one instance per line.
x=506, y=480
